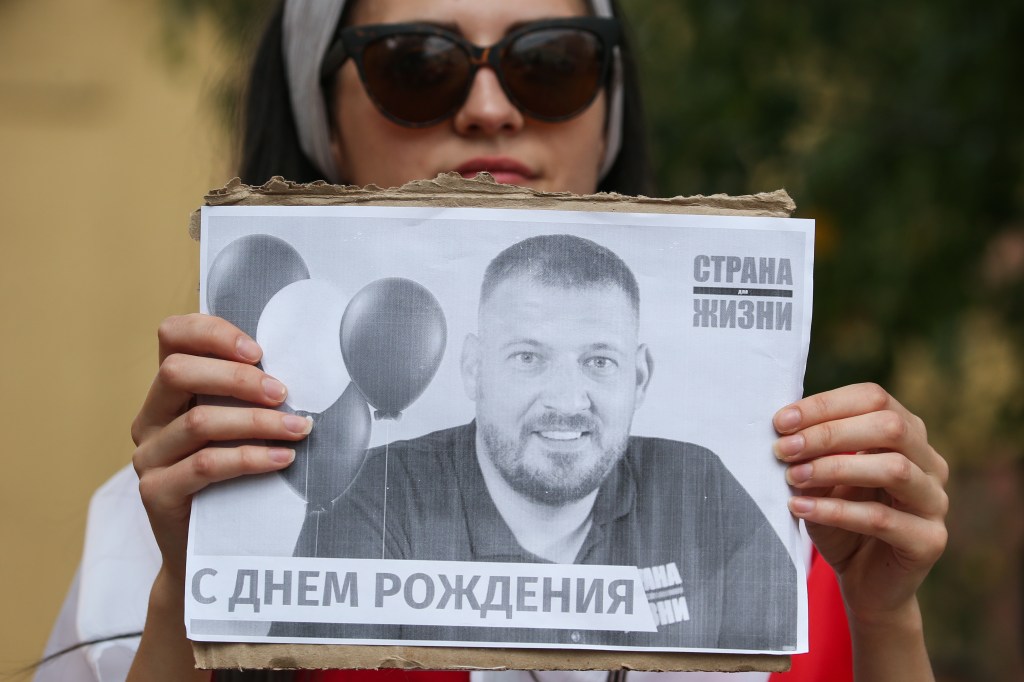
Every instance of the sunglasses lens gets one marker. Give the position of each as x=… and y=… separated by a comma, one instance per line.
x=553, y=73
x=416, y=78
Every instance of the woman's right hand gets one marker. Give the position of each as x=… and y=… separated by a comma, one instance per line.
x=180, y=445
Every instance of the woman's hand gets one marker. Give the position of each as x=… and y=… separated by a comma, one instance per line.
x=181, y=447
x=871, y=490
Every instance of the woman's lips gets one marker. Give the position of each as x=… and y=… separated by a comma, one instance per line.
x=503, y=169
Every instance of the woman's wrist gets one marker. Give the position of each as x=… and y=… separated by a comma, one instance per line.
x=168, y=592
x=905, y=619
x=890, y=645
x=164, y=652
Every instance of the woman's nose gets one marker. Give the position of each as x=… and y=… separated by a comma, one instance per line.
x=487, y=110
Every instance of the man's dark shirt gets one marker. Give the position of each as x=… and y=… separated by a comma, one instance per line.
x=715, y=572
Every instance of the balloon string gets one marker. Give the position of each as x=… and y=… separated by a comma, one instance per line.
x=316, y=527
x=384, y=524
x=316, y=536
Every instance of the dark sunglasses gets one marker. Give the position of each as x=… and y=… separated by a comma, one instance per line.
x=419, y=74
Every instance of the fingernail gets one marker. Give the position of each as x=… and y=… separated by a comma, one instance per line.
x=248, y=349
x=788, y=419
x=274, y=389
x=801, y=505
x=789, y=446
x=800, y=473
x=281, y=455
x=297, y=424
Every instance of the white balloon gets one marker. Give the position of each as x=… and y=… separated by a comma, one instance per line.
x=299, y=334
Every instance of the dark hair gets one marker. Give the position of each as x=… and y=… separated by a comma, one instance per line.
x=561, y=260
x=270, y=142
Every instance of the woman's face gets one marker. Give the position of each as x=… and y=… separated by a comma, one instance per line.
x=487, y=133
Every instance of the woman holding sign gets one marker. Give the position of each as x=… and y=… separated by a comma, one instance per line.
x=389, y=91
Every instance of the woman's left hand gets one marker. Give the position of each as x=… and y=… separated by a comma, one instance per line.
x=871, y=489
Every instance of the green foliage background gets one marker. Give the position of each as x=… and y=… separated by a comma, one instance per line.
x=899, y=127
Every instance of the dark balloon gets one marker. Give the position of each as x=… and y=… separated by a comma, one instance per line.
x=393, y=336
x=327, y=461
x=246, y=274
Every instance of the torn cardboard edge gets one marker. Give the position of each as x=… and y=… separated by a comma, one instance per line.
x=452, y=190
x=211, y=655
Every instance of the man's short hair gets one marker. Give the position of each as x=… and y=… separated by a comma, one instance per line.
x=561, y=260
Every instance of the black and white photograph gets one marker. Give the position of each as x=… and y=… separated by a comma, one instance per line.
x=527, y=428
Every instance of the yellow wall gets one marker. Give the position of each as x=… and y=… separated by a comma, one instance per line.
x=105, y=148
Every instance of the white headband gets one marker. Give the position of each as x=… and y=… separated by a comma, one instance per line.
x=308, y=27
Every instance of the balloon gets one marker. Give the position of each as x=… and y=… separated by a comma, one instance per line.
x=298, y=332
x=246, y=274
x=392, y=338
x=327, y=461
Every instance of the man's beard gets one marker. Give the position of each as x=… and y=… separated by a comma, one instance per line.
x=562, y=481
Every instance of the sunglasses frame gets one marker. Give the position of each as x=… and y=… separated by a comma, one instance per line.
x=351, y=41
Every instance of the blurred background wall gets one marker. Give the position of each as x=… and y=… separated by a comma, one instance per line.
x=106, y=144
x=899, y=127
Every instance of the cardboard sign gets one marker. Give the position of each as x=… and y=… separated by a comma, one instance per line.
x=541, y=430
